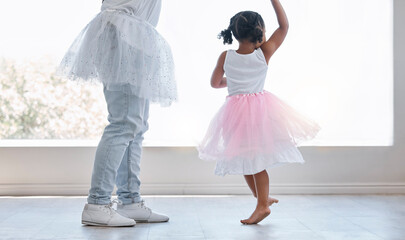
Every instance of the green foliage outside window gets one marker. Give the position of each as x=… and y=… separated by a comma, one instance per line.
x=36, y=104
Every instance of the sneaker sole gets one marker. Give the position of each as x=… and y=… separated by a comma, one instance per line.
x=147, y=221
x=105, y=225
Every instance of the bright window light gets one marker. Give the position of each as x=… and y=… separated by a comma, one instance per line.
x=336, y=67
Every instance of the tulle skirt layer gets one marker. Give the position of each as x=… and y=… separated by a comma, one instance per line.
x=121, y=50
x=253, y=132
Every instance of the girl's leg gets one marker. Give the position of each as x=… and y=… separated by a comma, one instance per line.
x=128, y=182
x=251, y=183
x=262, y=208
x=125, y=117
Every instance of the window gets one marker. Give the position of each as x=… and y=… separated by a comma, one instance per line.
x=336, y=66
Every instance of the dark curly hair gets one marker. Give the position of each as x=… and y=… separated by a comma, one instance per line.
x=246, y=25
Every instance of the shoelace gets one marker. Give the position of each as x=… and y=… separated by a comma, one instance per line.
x=116, y=201
x=119, y=202
x=108, y=209
x=145, y=207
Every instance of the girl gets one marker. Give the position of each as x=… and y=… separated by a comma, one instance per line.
x=254, y=130
x=121, y=49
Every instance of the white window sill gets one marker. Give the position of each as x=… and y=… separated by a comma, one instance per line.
x=27, y=143
x=78, y=143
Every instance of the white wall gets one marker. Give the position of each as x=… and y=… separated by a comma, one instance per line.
x=67, y=170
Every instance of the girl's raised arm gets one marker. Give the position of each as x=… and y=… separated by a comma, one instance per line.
x=277, y=38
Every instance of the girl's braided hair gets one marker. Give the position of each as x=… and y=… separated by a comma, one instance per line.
x=246, y=25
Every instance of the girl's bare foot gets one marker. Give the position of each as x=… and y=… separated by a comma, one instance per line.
x=272, y=200
x=258, y=215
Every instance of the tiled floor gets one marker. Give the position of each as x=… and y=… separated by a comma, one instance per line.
x=298, y=217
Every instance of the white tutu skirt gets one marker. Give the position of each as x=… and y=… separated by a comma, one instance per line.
x=125, y=53
x=254, y=132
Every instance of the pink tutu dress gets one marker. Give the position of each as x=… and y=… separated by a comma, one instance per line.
x=254, y=130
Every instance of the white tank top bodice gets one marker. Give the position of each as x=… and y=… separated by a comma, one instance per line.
x=245, y=73
x=148, y=10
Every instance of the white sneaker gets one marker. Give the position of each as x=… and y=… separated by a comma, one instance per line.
x=140, y=213
x=104, y=215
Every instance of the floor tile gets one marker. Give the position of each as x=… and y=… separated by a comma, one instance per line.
x=326, y=217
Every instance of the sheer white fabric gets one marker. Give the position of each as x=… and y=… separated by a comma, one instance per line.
x=148, y=10
x=124, y=52
x=284, y=153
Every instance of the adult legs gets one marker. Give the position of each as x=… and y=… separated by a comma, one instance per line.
x=126, y=123
x=127, y=181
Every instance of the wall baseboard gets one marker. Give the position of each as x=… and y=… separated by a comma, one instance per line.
x=205, y=189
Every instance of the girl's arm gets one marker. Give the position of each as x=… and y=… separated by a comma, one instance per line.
x=217, y=79
x=274, y=42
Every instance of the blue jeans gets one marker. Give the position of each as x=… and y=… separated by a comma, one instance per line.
x=118, y=154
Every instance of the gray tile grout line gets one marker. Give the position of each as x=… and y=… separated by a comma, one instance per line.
x=199, y=222
x=367, y=230
x=373, y=233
